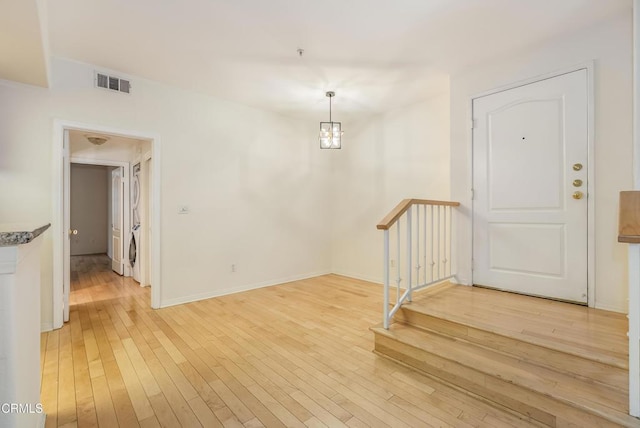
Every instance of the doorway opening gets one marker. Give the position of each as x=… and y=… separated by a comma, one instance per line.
x=100, y=210
x=128, y=165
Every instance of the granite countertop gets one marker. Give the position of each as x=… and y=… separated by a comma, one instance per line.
x=15, y=234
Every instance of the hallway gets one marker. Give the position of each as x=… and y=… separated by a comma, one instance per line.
x=92, y=280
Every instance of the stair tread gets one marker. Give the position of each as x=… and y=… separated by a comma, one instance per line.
x=570, y=363
x=589, y=395
x=565, y=344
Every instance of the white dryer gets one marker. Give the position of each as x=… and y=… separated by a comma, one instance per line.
x=134, y=252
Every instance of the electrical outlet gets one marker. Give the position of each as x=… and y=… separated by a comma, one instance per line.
x=233, y=268
x=392, y=263
x=183, y=209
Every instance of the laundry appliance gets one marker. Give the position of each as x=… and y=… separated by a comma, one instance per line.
x=136, y=230
x=134, y=252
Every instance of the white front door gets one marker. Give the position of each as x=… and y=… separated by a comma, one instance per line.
x=117, y=263
x=530, y=152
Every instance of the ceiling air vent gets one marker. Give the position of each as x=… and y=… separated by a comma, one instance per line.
x=112, y=83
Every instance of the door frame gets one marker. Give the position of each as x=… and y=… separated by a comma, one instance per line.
x=126, y=198
x=145, y=277
x=58, y=235
x=589, y=66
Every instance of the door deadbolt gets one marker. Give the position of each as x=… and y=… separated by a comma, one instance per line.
x=73, y=231
x=577, y=183
x=578, y=195
x=577, y=166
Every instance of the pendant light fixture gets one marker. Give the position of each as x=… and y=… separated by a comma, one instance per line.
x=330, y=132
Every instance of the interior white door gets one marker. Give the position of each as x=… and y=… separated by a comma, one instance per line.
x=117, y=262
x=530, y=153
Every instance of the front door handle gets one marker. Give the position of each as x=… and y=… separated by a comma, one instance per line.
x=578, y=195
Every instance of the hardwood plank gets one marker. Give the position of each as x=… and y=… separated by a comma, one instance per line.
x=66, y=386
x=49, y=388
x=204, y=413
x=134, y=387
x=105, y=411
x=318, y=411
x=122, y=401
x=163, y=411
x=176, y=401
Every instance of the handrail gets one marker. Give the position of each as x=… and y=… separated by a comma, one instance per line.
x=427, y=233
x=403, y=206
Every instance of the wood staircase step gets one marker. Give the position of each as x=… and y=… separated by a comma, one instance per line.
x=592, y=333
x=598, y=366
x=519, y=379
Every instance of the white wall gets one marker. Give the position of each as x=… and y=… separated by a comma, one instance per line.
x=609, y=44
x=89, y=209
x=384, y=159
x=254, y=181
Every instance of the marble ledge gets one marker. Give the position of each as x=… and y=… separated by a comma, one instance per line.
x=12, y=235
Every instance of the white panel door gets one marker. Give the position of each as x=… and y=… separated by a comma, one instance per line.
x=530, y=152
x=117, y=263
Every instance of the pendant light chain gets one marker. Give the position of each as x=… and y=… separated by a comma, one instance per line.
x=330, y=120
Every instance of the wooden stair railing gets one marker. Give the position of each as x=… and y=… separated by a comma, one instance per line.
x=427, y=240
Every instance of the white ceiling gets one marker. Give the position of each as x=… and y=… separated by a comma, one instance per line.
x=376, y=54
x=80, y=147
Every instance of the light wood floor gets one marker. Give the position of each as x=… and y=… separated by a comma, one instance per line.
x=297, y=354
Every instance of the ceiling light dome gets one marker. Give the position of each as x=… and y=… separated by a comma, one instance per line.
x=98, y=140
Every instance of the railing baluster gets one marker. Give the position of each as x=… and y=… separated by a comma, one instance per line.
x=409, y=253
x=438, y=243
x=432, y=241
x=424, y=262
x=398, y=278
x=418, y=245
x=445, y=236
x=386, y=279
x=450, y=241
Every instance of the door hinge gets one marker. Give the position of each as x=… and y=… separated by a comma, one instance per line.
x=473, y=194
x=473, y=264
x=474, y=123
